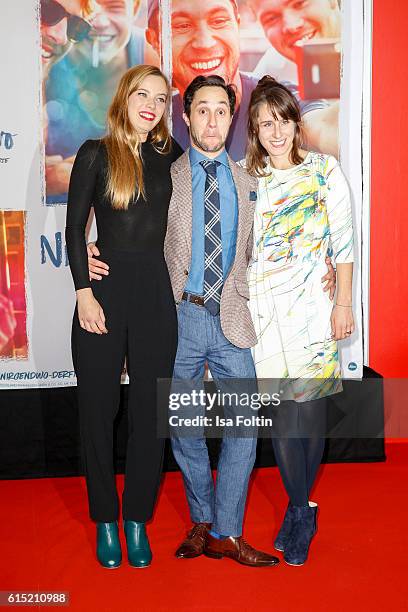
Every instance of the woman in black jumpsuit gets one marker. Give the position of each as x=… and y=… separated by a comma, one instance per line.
x=130, y=314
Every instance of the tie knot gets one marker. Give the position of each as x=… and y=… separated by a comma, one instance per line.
x=210, y=166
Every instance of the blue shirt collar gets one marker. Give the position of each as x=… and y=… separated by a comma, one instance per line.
x=195, y=157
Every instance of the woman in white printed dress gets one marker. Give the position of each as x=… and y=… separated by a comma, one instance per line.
x=303, y=214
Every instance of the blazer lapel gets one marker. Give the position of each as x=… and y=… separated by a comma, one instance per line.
x=246, y=208
x=183, y=191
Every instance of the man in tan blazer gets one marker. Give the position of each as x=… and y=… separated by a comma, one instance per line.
x=236, y=321
x=207, y=248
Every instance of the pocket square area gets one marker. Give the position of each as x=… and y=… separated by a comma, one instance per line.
x=253, y=196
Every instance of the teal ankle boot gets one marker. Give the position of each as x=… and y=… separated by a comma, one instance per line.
x=108, y=549
x=138, y=547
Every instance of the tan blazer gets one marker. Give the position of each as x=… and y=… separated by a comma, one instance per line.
x=236, y=322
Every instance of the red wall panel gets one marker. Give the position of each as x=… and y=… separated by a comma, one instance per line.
x=389, y=199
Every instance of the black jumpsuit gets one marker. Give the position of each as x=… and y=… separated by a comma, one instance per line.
x=139, y=308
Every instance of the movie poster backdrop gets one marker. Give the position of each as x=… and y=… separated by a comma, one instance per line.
x=59, y=80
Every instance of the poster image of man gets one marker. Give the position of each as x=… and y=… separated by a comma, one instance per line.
x=79, y=88
x=205, y=39
x=287, y=23
x=62, y=25
x=87, y=45
x=13, y=311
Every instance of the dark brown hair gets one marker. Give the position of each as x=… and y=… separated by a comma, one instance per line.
x=282, y=104
x=213, y=80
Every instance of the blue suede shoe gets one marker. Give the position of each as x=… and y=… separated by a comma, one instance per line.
x=303, y=529
x=138, y=547
x=285, y=530
x=108, y=549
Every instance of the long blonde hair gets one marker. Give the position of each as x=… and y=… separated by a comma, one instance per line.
x=125, y=165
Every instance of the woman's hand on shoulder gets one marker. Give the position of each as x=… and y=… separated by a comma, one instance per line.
x=90, y=313
x=330, y=279
x=342, y=322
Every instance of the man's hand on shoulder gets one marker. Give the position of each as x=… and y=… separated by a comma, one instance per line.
x=97, y=268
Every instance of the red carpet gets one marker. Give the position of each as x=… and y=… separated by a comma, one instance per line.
x=358, y=559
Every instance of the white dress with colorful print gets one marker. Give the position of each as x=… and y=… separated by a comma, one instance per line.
x=302, y=214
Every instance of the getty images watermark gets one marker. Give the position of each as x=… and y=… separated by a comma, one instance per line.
x=265, y=408
x=236, y=409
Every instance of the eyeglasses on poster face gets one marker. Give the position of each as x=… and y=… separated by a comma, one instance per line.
x=52, y=13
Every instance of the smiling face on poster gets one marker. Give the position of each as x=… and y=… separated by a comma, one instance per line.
x=112, y=22
x=205, y=40
x=286, y=23
x=62, y=25
x=212, y=38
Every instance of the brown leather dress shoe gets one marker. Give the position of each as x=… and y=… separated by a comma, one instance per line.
x=237, y=549
x=193, y=545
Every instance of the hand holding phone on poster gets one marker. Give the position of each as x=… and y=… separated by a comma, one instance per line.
x=318, y=63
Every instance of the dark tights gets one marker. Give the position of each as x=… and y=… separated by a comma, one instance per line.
x=300, y=445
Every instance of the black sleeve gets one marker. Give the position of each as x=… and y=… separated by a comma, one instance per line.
x=80, y=199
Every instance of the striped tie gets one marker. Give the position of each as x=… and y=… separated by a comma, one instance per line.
x=213, y=248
